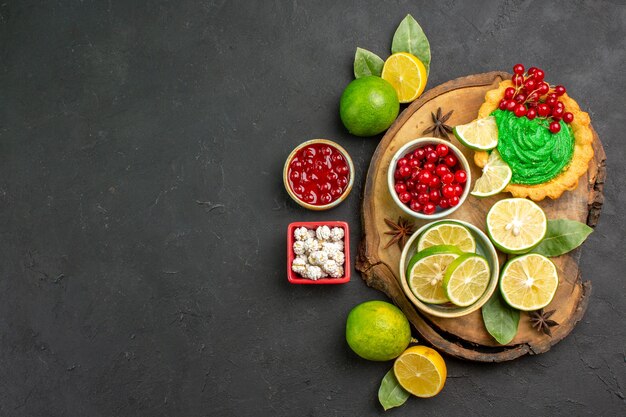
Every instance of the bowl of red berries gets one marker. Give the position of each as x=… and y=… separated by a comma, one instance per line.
x=429, y=178
x=318, y=174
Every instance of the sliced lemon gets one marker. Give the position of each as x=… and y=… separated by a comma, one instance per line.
x=516, y=225
x=421, y=371
x=426, y=270
x=407, y=74
x=447, y=233
x=466, y=279
x=480, y=135
x=529, y=282
x=496, y=176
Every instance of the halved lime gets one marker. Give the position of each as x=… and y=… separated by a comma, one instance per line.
x=516, y=225
x=447, y=233
x=529, y=282
x=496, y=176
x=466, y=279
x=480, y=135
x=426, y=270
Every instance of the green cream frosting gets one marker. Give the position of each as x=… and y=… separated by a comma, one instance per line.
x=534, y=154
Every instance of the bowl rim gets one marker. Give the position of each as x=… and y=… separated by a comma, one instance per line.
x=454, y=311
x=404, y=150
x=293, y=278
x=342, y=197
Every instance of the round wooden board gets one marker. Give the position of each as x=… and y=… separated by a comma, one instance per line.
x=466, y=337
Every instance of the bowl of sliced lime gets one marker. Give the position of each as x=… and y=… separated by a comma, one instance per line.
x=449, y=268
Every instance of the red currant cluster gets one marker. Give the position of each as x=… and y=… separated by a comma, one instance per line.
x=533, y=97
x=429, y=177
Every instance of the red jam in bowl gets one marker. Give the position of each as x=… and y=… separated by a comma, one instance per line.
x=318, y=174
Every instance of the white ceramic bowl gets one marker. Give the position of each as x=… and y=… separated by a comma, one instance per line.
x=410, y=147
x=484, y=247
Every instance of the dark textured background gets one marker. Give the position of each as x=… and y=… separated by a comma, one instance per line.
x=121, y=295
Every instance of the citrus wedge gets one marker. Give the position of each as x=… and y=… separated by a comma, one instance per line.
x=426, y=270
x=407, y=74
x=529, y=282
x=466, y=279
x=447, y=233
x=480, y=135
x=516, y=225
x=496, y=176
x=421, y=371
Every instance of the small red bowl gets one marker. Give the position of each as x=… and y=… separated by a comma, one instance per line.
x=297, y=279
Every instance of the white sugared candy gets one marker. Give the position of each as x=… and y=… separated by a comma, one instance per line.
x=337, y=234
x=319, y=253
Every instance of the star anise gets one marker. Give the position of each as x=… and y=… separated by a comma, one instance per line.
x=400, y=230
x=541, y=321
x=439, y=128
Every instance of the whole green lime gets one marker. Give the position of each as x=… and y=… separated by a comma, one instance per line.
x=368, y=106
x=377, y=331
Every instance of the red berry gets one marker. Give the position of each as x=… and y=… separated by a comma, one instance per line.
x=400, y=187
x=442, y=170
x=442, y=150
x=538, y=75
x=520, y=98
x=568, y=117
x=414, y=163
x=510, y=106
x=509, y=93
x=558, y=112
x=518, y=69
x=405, y=197
x=434, y=196
x=443, y=203
x=531, y=114
x=533, y=97
x=543, y=110
x=559, y=90
x=532, y=70
x=530, y=84
x=423, y=198
x=429, y=148
x=447, y=178
x=450, y=160
x=448, y=191
x=454, y=200
x=502, y=104
x=460, y=176
x=429, y=166
x=435, y=183
x=410, y=185
x=543, y=89
x=551, y=101
x=336, y=192
x=520, y=110
x=429, y=208
x=431, y=156
x=419, y=153
x=518, y=79
x=424, y=177
x=555, y=127
x=415, y=205
x=458, y=190
x=422, y=188
x=404, y=171
x=402, y=162
x=396, y=175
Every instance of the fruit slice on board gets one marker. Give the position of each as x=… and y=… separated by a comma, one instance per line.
x=496, y=176
x=466, y=279
x=426, y=270
x=516, y=225
x=447, y=233
x=407, y=74
x=529, y=282
x=480, y=135
x=421, y=371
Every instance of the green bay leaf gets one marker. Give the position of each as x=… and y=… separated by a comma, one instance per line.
x=562, y=236
x=391, y=394
x=367, y=63
x=500, y=319
x=410, y=37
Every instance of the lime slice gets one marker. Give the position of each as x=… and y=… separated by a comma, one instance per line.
x=466, y=279
x=516, y=225
x=529, y=282
x=447, y=233
x=426, y=271
x=496, y=176
x=480, y=135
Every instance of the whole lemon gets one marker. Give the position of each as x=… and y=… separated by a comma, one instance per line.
x=368, y=106
x=377, y=331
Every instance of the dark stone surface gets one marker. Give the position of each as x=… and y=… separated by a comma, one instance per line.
x=123, y=294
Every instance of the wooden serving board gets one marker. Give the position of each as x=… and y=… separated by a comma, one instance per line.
x=466, y=337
